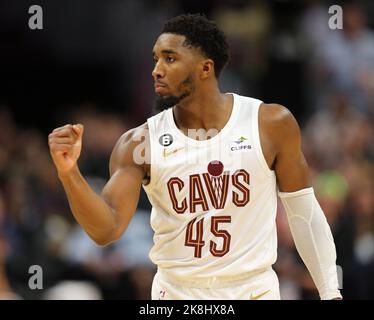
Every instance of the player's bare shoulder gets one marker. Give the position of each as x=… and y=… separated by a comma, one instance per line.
x=278, y=124
x=132, y=149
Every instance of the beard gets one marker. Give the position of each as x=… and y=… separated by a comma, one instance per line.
x=166, y=102
x=162, y=103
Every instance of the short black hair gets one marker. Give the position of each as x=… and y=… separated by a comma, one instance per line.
x=203, y=34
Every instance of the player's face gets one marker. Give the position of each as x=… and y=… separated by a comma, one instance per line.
x=175, y=70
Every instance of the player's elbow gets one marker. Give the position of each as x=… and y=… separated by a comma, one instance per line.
x=105, y=239
x=102, y=241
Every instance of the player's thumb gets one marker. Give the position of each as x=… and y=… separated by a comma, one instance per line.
x=79, y=128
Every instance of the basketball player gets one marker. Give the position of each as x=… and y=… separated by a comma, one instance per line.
x=212, y=165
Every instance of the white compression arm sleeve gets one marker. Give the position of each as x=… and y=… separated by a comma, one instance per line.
x=313, y=239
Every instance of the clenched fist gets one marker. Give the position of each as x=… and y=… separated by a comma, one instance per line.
x=65, y=145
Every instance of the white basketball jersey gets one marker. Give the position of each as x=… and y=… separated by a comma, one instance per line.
x=214, y=201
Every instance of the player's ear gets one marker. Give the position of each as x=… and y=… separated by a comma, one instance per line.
x=207, y=69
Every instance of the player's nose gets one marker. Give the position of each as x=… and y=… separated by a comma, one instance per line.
x=158, y=72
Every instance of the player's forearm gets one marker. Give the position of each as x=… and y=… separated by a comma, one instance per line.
x=313, y=239
x=90, y=210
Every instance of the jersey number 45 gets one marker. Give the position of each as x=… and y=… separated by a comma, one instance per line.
x=198, y=242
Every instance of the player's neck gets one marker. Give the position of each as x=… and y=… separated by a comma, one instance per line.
x=207, y=109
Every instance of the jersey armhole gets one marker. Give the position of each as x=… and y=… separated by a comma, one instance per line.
x=256, y=136
x=153, y=169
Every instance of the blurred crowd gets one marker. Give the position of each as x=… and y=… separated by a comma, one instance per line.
x=329, y=72
x=338, y=142
x=37, y=227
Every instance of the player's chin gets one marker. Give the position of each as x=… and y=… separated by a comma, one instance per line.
x=162, y=91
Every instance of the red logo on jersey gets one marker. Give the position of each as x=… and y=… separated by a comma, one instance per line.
x=216, y=183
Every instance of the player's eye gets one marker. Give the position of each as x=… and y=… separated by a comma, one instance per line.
x=169, y=59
